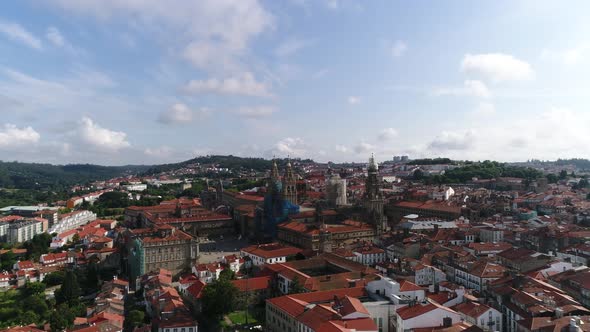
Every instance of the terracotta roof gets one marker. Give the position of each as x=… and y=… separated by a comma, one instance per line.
x=294, y=304
x=419, y=309
x=442, y=297
x=196, y=289
x=517, y=253
x=471, y=309
x=408, y=286
x=271, y=250
x=485, y=269
x=351, y=305
x=252, y=284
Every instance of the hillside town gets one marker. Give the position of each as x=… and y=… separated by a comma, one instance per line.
x=305, y=246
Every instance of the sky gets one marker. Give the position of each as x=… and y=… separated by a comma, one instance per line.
x=118, y=82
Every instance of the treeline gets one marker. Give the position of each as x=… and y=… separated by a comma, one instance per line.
x=431, y=161
x=482, y=170
x=580, y=163
x=233, y=163
x=34, y=176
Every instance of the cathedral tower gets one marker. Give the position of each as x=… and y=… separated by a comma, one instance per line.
x=373, y=199
x=290, y=185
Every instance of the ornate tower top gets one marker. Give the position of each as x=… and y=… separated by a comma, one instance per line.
x=372, y=164
x=274, y=173
x=372, y=184
x=290, y=185
x=289, y=172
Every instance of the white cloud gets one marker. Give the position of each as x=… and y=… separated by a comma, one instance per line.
x=554, y=133
x=82, y=88
x=399, y=48
x=11, y=136
x=341, y=148
x=470, y=88
x=178, y=113
x=214, y=34
x=17, y=33
x=485, y=109
x=333, y=4
x=320, y=73
x=364, y=147
x=243, y=84
x=353, y=100
x=101, y=138
x=254, y=111
x=497, y=67
x=292, y=146
x=159, y=152
x=452, y=140
x=291, y=46
x=571, y=56
x=55, y=37
x=387, y=134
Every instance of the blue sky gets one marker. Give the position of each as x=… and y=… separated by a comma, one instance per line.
x=149, y=81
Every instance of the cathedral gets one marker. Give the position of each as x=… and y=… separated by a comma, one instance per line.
x=280, y=201
x=321, y=236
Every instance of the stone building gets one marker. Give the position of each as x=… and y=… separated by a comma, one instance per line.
x=160, y=246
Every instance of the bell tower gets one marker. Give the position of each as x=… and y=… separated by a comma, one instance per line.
x=373, y=199
x=290, y=185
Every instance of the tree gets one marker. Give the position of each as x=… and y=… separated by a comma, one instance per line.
x=295, y=286
x=551, y=178
x=54, y=278
x=33, y=289
x=563, y=174
x=37, y=246
x=76, y=238
x=62, y=318
x=92, y=274
x=70, y=290
x=36, y=304
x=219, y=298
x=418, y=175
x=583, y=183
x=227, y=274
x=135, y=318
x=7, y=261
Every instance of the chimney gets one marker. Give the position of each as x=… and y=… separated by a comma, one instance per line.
x=447, y=322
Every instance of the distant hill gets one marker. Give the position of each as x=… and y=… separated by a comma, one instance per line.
x=230, y=162
x=583, y=164
x=55, y=177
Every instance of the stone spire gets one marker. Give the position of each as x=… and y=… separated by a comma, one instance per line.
x=274, y=173
x=290, y=184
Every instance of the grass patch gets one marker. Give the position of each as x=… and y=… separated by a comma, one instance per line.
x=239, y=318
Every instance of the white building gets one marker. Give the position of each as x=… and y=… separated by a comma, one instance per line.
x=490, y=234
x=428, y=275
x=270, y=253
x=394, y=292
x=136, y=187
x=478, y=275
x=369, y=255
x=25, y=230
x=4, y=231
x=234, y=262
x=72, y=220
x=424, y=314
x=441, y=194
x=487, y=318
